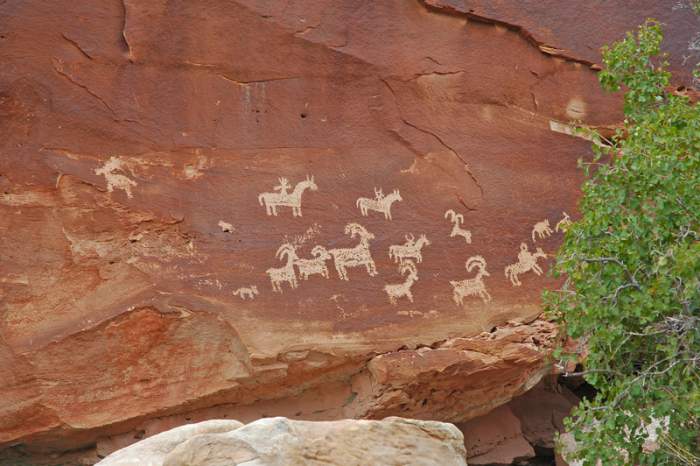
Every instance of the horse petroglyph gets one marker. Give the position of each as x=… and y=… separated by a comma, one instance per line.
x=564, y=223
x=526, y=261
x=246, y=292
x=400, y=290
x=354, y=257
x=285, y=273
x=411, y=249
x=472, y=286
x=283, y=198
x=380, y=203
x=315, y=266
x=457, y=230
x=110, y=170
x=542, y=230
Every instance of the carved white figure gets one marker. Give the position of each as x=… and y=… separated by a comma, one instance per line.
x=411, y=249
x=285, y=273
x=283, y=198
x=380, y=203
x=314, y=266
x=564, y=223
x=457, y=230
x=472, y=286
x=246, y=292
x=542, y=230
x=526, y=261
x=110, y=170
x=354, y=257
x=400, y=290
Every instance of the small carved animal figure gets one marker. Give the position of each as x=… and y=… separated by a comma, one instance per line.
x=457, y=230
x=354, y=257
x=541, y=229
x=564, y=223
x=317, y=265
x=246, y=292
x=411, y=249
x=472, y=286
x=400, y=290
x=110, y=170
x=285, y=273
x=526, y=261
x=380, y=203
x=284, y=199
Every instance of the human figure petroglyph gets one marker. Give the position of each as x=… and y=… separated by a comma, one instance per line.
x=315, y=266
x=457, y=230
x=110, y=170
x=563, y=224
x=246, y=292
x=526, y=261
x=472, y=286
x=400, y=290
x=380, y=203
x=411, y=249
x=345, y=258
x=283, y=198
x=542, y=230
x=286, y=273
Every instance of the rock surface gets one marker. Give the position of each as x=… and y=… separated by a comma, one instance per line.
x=142, y=280
x=280, y=441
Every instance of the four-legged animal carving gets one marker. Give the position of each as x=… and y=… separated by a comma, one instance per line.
x=411, y=249
x=526, y=261
x=457, y=230
x=246, y=292
x=472, y=286
x=282, y=198
x=400, y=290
x=285, y=273
x=541, y=229
x=354, y=257
x=317, y=265
x=380, y=203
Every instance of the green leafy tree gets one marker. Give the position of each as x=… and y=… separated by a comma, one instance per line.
x=632, y=268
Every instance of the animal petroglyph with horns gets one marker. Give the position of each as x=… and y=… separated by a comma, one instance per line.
x=401, y=290
x=472, y=286
x=285, y=273
x=354, y=257
x=457, y=230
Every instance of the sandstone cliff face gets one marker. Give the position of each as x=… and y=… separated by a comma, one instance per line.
x=168, y=169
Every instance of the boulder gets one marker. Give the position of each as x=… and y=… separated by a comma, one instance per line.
x=315, y=209
x=280, y=441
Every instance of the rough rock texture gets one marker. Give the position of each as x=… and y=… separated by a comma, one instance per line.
x=138, y=140
x=152, y=451
x=523, y=428
x=280, y=441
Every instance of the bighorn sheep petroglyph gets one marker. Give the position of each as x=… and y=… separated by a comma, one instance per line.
x=472, y=286
x=285, y=273
x=457, y=230
x=400, y=290
x=354, y=257
x=314, y=266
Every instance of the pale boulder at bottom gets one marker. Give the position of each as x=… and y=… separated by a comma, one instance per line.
x=282, y=442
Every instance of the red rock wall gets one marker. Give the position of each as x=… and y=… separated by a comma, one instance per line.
x=138, y=140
